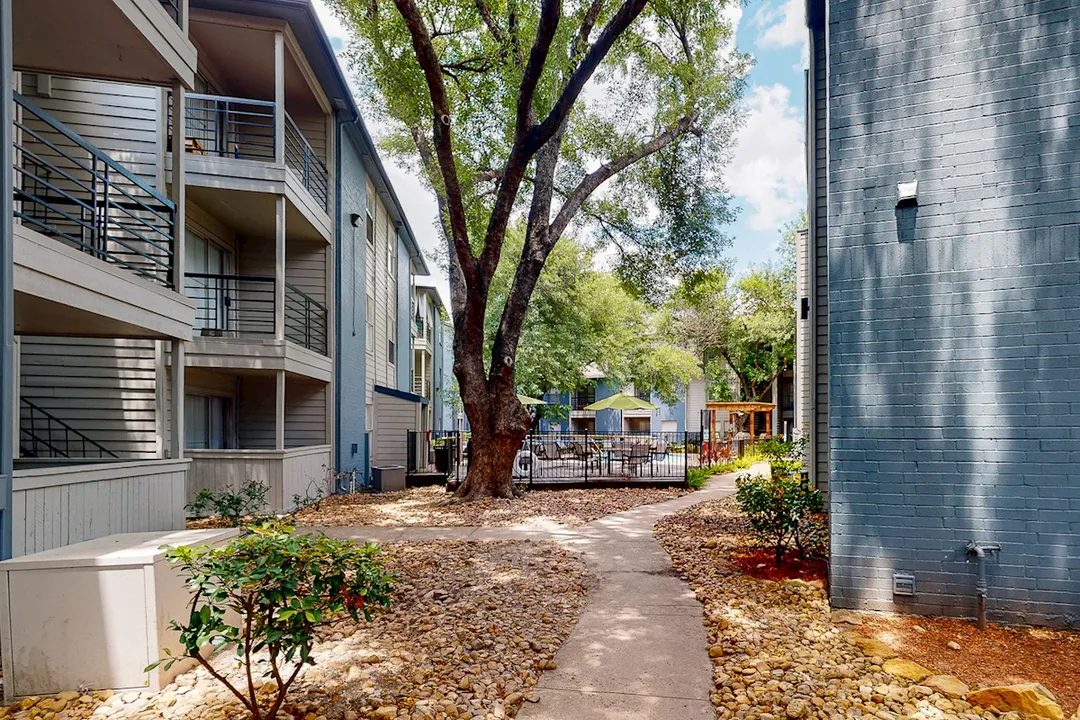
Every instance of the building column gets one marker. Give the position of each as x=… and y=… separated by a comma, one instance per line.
x=279, y=268
x=279, y=97
x=776, y=406
x=176, y=437
x=279, y=412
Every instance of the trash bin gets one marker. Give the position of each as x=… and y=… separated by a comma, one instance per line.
x=388, y=478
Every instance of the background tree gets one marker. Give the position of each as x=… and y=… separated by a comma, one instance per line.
x=740, y=325
x=490, y=97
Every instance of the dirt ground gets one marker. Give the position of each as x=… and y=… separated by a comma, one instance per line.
x=998, y=656
x=432, y=506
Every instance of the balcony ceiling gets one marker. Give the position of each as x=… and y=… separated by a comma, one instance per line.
x=90, y=38
x=241, y=59
x=251, y=214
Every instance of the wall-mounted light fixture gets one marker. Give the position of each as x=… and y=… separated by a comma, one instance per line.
x=354, y=219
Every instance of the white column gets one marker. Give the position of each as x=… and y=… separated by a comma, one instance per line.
x=279, y=412
x=279, y=268
x=776, y=429
x=176, y=437
x=279, y=97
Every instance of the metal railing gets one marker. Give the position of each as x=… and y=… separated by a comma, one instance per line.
x=301, y=157
x=172, y=7
x=233, y=127
x=580, y=399
x=305, y=319
x=72, y=191
x=42, y=434
x=232, y=305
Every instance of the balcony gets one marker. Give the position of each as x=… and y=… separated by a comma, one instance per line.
x=145, y=40
x=233, y=145
x=236, y=325
x=95, y=245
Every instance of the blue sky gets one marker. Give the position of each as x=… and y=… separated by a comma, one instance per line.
x=766, y=175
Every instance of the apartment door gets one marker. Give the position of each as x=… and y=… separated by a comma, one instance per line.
x=206, y=267
x=205, y=421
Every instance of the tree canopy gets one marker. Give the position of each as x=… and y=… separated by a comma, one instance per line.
x=607, y=115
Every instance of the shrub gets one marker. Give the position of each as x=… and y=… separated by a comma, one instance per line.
x=778, y=509
x=231, y=505
x=281, y=586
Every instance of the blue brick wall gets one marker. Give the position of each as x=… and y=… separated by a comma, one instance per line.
x=351, y=370
x=954, y=326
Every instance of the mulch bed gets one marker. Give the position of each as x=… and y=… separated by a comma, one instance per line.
x=997, y=656
x=761, y=564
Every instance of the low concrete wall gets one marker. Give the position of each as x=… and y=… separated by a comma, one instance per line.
x=57, y=506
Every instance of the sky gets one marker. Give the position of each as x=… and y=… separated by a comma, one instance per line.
x=766, y=176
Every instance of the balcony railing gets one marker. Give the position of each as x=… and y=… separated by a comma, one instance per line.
x=241, y=128
x=72, y=191
x=305, y=319
x=420, y=386
x=232, y=305
x=301, y=157
x=229, y=127
x=172, y=7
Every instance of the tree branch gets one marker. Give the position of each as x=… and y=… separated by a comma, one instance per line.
x=444, y=149
x=611, y=168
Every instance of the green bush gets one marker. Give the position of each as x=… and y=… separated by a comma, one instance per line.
x=231, y=505
x=778, y=509
x=281, y=586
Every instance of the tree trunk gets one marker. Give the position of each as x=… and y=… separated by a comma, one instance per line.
x=499, y=424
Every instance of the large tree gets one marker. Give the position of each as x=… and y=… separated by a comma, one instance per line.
x=587, y=111
x=740, y=325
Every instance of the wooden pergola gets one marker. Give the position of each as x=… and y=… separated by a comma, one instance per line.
x=733, y=409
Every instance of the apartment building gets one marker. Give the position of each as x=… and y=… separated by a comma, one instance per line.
x=942, y=293
x=205, y=264
x=428, y=347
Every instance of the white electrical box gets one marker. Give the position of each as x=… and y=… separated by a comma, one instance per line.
x=93, y=615
x=907, y=192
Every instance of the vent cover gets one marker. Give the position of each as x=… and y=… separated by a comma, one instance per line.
x=903, y=584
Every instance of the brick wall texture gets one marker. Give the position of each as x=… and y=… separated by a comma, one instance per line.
x=954, y=325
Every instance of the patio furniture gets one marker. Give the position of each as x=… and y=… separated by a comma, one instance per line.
x=586, y=452
x=659, y=448
x=638, y=457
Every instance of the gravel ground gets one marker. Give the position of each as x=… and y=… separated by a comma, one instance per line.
x=471, y=627
x=432, y=506
x=777, y=652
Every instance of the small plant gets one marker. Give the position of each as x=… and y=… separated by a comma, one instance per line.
x=778, y=509
x=233, y=506
x=278, y=587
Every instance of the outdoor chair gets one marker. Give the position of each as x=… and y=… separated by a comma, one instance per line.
x=583, y=451
x=639, y=456
x=660, y=449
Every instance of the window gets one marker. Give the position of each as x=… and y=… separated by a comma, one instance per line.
x=370, y=323
x=205, y=419
x=393, y=352
x=205, y=267
x=391, y=256
x=369, y=230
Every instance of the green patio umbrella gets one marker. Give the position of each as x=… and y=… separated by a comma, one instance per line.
x=621, y=401
x=526, y=400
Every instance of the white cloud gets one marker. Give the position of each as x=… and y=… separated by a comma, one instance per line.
x=782, y=25
x=768, y=170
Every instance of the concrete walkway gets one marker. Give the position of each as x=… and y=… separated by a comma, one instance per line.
x=639, y=650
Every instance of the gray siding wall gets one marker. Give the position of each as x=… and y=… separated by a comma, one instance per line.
x=103, y=388
x=955, y=399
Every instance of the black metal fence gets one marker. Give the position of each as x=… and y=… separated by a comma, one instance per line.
x=232, y=305
x=569, y=458
x=305, y=319
x=239, y=128
x=70, y=190
x=301, y=157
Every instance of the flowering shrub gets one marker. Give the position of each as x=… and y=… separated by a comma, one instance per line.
x=270, y=590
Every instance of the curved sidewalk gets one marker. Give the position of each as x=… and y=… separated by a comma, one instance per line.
x=639, y=650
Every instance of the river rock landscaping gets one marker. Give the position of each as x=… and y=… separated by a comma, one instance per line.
x=434, y=507
x=470, y=629
x=779, y=653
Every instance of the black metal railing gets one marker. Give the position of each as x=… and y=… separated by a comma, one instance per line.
x=42, y=434
x=232, y=127
x=582, y=398
x=232, y=305
x=305, y=319
x=578, y=458
x=172, y=7
x=301, y=157
x=69, y=190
